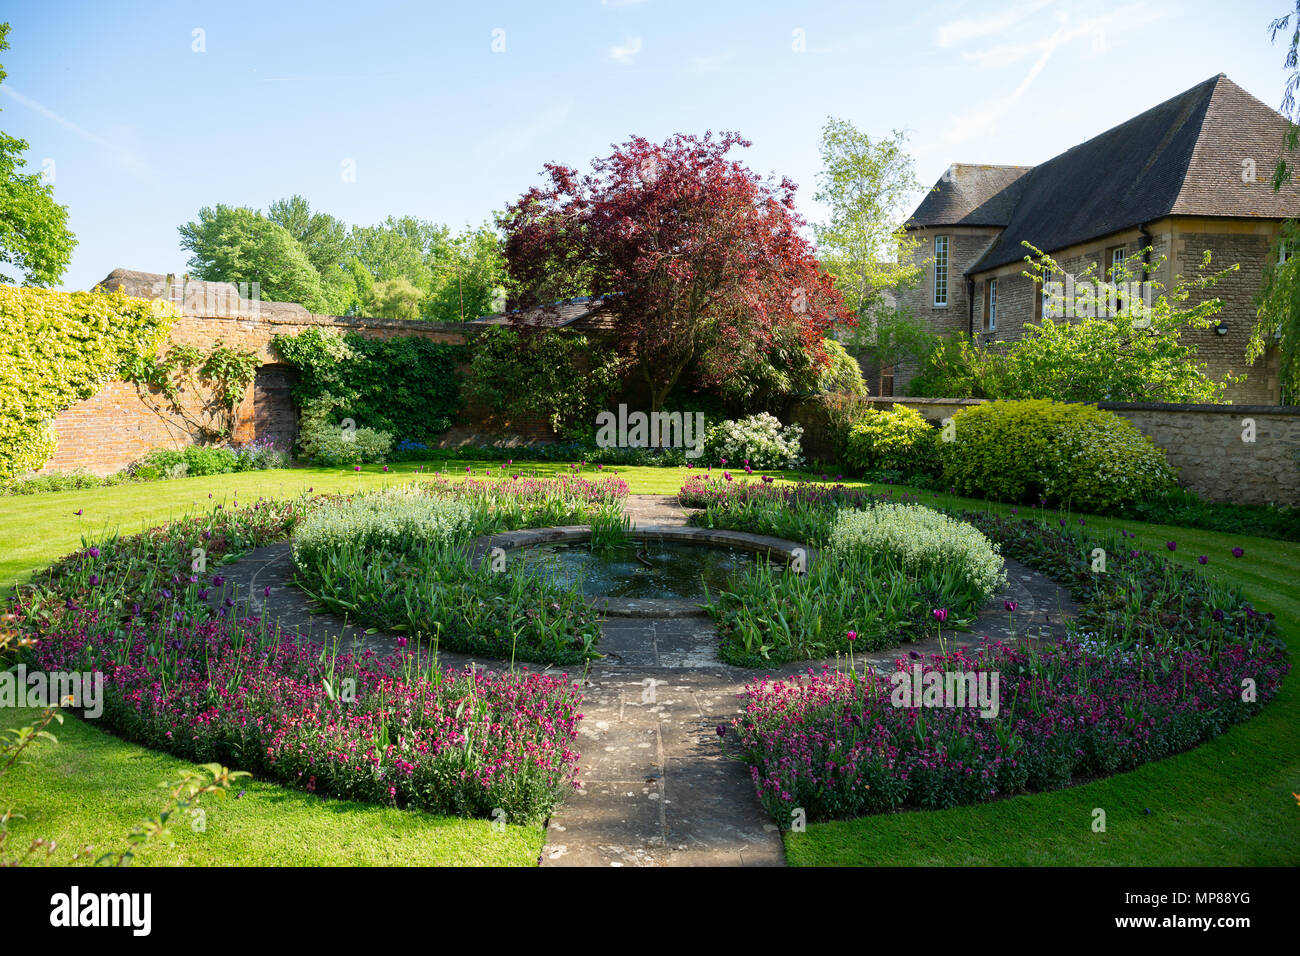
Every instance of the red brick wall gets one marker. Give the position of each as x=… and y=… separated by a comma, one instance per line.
x=120, y=424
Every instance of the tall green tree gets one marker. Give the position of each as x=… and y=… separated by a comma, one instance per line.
x=468, y=275
x=238, y=244
x=325, y=241
x=866, y=186
x=395, y=249
x=34, y=235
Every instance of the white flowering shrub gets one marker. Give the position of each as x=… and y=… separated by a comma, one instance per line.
x=921, y=541
x=398, y=519
x=759, y=439
x=1102, y=460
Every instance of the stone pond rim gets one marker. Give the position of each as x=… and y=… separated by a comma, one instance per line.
x=481, y=549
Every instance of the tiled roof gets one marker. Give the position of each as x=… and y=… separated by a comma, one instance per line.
x=591, y=312
x=1184, y=156
x=970, y=195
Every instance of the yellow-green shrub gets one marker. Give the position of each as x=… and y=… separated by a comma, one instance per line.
x=57, y=348
x=1069, y=453
x=896, y=438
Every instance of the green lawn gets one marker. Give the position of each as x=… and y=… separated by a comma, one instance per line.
x=92, y=788
x=1228, y=801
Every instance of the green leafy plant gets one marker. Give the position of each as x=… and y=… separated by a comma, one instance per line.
x=57, y=348
x=221, y=375
x=564, y=378
x=1073, y=453
x=894, y=438
x=407, y=386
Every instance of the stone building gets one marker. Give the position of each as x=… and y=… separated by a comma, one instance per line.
x=1188, y=175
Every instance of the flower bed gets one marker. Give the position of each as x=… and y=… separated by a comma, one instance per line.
x=1161, y=657
x=189, y=670
x=372, y=728
x=836, y=746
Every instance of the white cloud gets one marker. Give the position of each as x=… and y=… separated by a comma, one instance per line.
x=993, y=22
x=125, y=158
x=1018, y=39
x=626, y=53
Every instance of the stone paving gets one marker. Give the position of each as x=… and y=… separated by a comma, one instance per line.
x=657, y=788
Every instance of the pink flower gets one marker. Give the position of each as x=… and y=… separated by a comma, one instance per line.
x=940, y=614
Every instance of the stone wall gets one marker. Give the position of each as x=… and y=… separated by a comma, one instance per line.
x=1206, y=443
x=122, y=423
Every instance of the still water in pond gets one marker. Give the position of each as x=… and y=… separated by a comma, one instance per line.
x=670, y=569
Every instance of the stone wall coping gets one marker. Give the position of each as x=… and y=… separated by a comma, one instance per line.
x=271, y=316
x=1112, y=406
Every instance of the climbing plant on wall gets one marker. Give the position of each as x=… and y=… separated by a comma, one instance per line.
x=57, y=348
x=216, y=382
x=408, y=386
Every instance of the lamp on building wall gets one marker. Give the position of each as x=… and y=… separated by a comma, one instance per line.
x=1221, y=327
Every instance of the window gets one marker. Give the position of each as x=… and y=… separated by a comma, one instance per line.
x=887, y=381
x=1043, y=306
x=940, y=270
x=1283, y=251
x=1114, y=257
x=991, y=305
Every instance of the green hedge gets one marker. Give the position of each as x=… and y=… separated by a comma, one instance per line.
x=1068, y=453
x=57, y=348
x=407, y=386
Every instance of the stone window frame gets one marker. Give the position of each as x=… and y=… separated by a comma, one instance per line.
x=991, y=304
x=941, y=268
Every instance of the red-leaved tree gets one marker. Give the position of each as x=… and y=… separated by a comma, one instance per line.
x=705, y=259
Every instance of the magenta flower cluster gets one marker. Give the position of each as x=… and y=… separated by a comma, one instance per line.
x=365, y=727
x=835, y=745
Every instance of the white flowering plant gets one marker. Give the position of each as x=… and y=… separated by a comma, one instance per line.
x=397, y=520
x=921, y=541
x=760, y=441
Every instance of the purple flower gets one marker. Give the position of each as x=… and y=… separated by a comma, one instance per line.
x=218, y=581
x=94, y=580
x=1132, y=554
x=853, y=636
x=93, y=552
x=356, y=468
x=1203, y=559
x=1010, y=605
x=1238, y=552
x=1062, y=520
x=940, y=614
x=1217, y=614
x=266, y=591
x=1171, y=545
x=722, y=730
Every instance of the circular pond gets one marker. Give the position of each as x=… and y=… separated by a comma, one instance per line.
x=657, y=572
x=650, y=568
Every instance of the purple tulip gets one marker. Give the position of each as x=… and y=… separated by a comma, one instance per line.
x=1203, y=559
x=1238, y=552
x=940, y=614
x=1010, y=605
x=1171, y=545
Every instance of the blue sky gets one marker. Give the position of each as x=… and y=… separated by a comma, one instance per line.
x=142, y=130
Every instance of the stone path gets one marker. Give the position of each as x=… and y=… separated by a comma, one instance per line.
x=657, y=787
